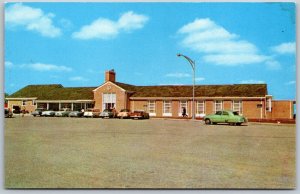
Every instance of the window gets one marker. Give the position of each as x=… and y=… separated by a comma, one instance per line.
x=151, y=107
x=269, y=105
x=237, y=106
x=23, y=102
x=108, y=101
x=200, y=108
x=167, y=108
x=218, y=105
x=225, y=113
x=219, y=113
x=183, y=104
x=33, y=102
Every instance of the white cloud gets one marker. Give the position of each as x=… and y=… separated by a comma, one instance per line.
x=103, y=28
x=234, y=59
x=8, y=64
x=78, y=78
x=197, y=25
x=285, y=48
x=33, y=19
x=273, y=65
x=46, y=67
x=178, y=75
x=131, y=21
x=218, y=45
x=198, y=79
x=39, y=66
x=251, y=81
x=290, y=83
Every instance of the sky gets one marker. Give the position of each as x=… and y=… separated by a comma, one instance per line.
x=73, y=44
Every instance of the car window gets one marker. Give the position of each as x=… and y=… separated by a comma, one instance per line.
x=225, y=113
x=235, y=113
x=219, y=113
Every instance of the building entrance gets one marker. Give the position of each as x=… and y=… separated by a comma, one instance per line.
x=109, y=101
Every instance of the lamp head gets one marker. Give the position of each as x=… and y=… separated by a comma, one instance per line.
x=178, y=55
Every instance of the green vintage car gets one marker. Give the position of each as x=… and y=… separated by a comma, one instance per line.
x=225, y=116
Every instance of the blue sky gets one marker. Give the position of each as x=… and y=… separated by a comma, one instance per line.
x=74, y=43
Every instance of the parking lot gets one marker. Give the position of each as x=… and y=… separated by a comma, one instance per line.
x=54, y=152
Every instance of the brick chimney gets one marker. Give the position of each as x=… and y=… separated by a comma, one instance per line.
x=110, y=76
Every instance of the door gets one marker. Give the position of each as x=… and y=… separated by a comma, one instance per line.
x=108, y=101
x=225, y=117
x=217, y=117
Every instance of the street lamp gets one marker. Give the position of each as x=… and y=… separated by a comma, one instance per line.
x=193, y=67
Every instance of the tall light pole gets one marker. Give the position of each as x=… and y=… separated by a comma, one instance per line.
x=193, y=64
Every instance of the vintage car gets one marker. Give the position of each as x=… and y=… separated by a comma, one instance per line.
x=76, y=114
x=88, y=113
x=230, y=117
x=48, y=113
x=37, y=112
x=96, y=113
x=139, y=114
x=62, y=113
x=124, y=113
x=7, y=113
x=107, y=113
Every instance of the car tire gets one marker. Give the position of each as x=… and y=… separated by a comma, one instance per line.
x=207, y=121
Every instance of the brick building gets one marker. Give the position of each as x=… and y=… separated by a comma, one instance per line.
x=250, y=100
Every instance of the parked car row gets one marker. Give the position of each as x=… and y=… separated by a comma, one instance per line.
x=93, y=113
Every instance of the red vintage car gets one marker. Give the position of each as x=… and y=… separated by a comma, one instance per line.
x=139, y=114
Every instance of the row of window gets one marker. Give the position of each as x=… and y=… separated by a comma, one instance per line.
x=200, y=106
x=26, y=102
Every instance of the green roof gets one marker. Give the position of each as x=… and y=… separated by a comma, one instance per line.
x=55, y=92
x=58, y=92
x=235, y=90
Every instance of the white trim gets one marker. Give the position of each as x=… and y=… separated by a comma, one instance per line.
x=63, y=101
x=153, y=113
x=215, y=107
x=167, y=114
x=187, y=108
x=108, y=82
x=204, y=108
x=31, y=98
x=240, y=106
x=112, y=96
